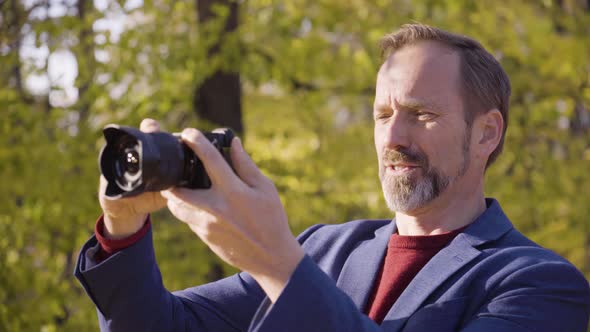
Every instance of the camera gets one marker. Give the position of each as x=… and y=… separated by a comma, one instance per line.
x=134, y=162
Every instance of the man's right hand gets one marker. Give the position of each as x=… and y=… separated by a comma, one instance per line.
x=125, y=216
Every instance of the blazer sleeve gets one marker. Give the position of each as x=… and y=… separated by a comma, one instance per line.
x=550, y=296
x=129, y=295
x=311, y=301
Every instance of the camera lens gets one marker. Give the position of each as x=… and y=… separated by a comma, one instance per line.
x=128, y=163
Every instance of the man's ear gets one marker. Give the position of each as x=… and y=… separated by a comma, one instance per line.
x=491, y=126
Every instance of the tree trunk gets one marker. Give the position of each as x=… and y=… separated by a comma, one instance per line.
x=219, y=98
x=85, y=56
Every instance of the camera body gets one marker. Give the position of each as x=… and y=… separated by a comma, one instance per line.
x=134, y=162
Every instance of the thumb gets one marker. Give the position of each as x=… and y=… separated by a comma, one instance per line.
x=149, y=126
x=244, y=165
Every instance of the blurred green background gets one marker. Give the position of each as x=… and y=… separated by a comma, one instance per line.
x=297, y=76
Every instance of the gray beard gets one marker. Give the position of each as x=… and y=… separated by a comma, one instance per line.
x=403, y=193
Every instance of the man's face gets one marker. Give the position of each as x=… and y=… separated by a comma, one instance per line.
x=420, y=132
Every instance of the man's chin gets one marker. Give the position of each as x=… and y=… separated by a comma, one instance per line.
x=402, y=206
x=407, y=198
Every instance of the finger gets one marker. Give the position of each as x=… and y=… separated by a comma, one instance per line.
x=102, y=185
x=149, y=126
x=244, y=165
x=188, y=213
x=158, y=201
x=180, y=210
x=196, y=198
x=217, y=168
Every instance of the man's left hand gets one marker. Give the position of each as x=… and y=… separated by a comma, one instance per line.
x=240, y=217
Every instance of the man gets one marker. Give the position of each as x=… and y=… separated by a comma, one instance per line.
x=450, y=260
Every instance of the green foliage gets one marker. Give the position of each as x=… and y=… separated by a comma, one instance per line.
x=308, y=71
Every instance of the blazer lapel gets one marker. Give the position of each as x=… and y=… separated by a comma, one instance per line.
x=489, y=226
x=363, y=264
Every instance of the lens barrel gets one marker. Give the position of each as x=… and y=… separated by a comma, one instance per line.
x=134, y=162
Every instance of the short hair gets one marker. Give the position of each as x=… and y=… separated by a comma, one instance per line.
x=485, y=85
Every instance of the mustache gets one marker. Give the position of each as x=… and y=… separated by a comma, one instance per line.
x=405, y=155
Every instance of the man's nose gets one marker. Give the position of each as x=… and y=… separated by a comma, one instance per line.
x=398, y=132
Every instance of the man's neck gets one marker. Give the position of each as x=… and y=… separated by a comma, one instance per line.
x=450, y=211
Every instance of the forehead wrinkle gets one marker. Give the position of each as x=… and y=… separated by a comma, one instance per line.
x=394, y=93
x=406, y=75
x=413, y=103
x=387, y=100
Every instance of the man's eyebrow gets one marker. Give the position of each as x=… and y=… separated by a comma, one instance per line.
x=381, y=107
x=416, y=104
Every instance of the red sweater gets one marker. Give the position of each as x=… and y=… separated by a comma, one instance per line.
x=405, y=257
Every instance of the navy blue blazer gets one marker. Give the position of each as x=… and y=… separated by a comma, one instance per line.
x=489, y=278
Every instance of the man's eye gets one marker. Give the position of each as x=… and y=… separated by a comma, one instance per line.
x=382, y=116
x=424, y=116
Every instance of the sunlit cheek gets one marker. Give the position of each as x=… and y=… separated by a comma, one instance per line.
x=430, y=125
x=440, y=148
x=450, y=153
x=379, y=136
